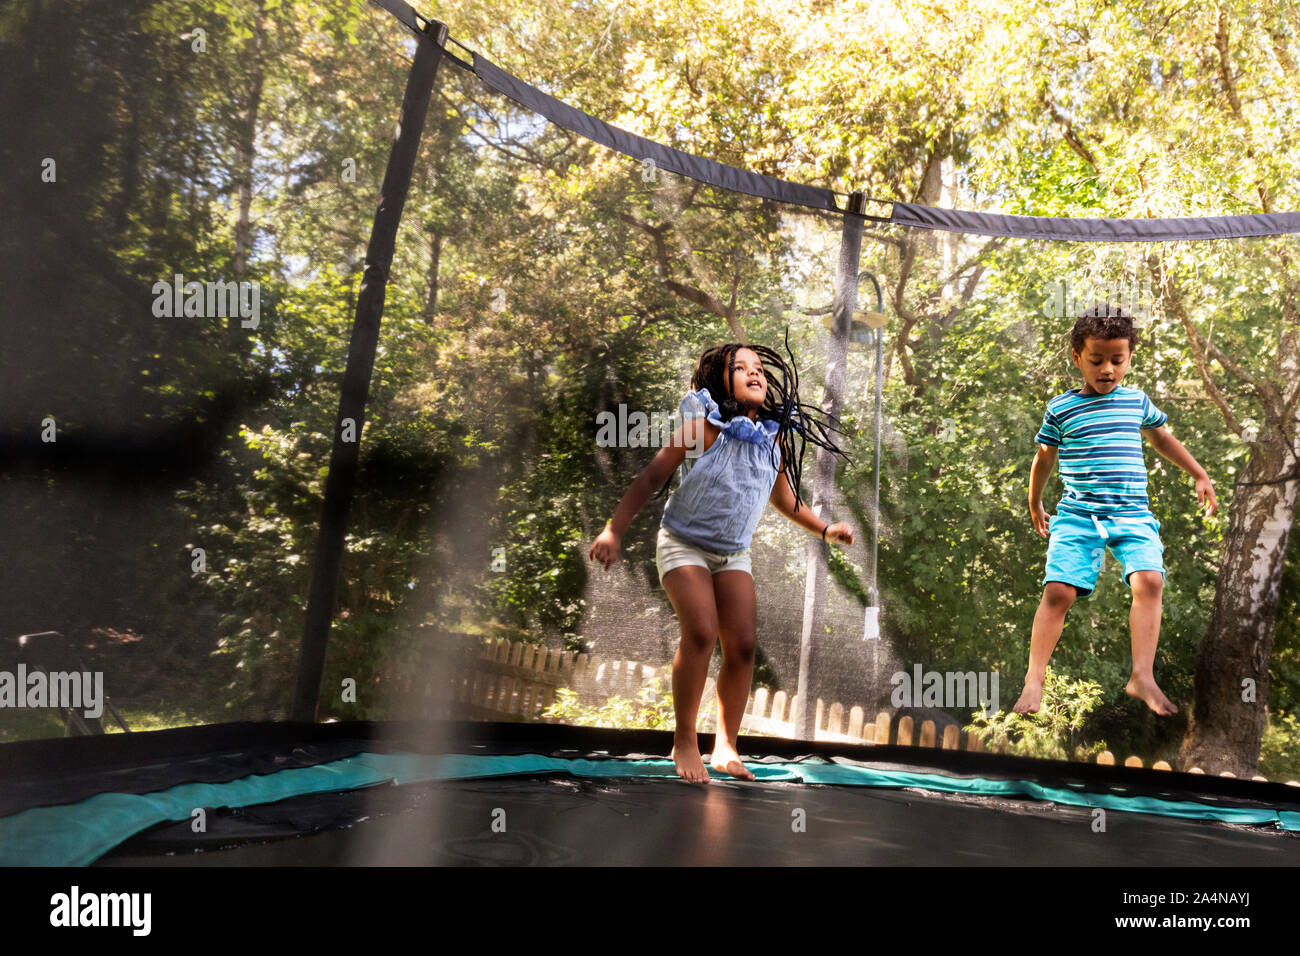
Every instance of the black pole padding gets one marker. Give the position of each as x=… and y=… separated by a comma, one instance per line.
x=346, y=453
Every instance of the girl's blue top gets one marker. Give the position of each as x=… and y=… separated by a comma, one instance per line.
x=719, y=502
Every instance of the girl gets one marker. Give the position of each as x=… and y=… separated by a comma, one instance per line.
x=742, y=442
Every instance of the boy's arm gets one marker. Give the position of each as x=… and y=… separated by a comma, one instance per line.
x=1039, y=473
x=1171, y=449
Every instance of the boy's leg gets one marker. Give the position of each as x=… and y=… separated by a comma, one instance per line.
x=737, y=624
x=1139, y=548
x=690, y=589
x=1144, y=620
x=1074, y=556
x=1048, y=622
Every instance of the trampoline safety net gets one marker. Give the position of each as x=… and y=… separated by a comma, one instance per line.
x=172, y=412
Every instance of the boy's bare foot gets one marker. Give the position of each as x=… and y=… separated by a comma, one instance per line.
x=725, y=760
x=1146, y=690
x=1030, y=699
x=689, y=763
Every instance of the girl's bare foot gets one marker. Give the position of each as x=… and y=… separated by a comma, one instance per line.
x=724, y=759
x=689, y=763
x=1146, y=690
x=1030, y=699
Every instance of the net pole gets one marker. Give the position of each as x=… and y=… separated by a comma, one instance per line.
x=346, y=453
x=875, y=504
x=845, y=302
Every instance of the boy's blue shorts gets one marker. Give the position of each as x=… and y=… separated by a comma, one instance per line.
x=1076, y=547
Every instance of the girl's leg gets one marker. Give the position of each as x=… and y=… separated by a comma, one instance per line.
x=690, y=589
x=737, y=623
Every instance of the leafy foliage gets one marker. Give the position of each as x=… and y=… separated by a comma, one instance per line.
x=651, y=709
x=1056, y=732
x=1279, y=751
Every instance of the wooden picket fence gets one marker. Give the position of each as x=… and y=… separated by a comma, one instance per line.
x=512, y=680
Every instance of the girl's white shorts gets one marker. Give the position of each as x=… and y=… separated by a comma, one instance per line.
x=672, y=552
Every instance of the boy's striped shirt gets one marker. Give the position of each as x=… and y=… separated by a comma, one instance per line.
x=1100, y=443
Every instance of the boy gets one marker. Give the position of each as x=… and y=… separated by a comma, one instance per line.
x=1098, y=430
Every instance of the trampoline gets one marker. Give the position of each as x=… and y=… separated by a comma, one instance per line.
x=305, y=793
x=281, y=794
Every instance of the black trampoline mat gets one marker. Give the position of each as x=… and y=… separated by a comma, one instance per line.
x=564, y=821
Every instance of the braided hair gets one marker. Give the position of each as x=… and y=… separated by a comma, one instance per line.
x=714, y=371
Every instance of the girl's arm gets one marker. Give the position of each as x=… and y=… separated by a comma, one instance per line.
x=783, y=500
x=691, y=435
x=653, y=475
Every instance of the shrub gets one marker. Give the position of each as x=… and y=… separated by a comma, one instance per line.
x=1279, y=751
x=1052, y=733
x=650, y=710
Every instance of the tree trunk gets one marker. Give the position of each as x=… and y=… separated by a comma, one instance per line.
x=245, y=145
x=129, y=166
x=1225, y=729
x=435, y=259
